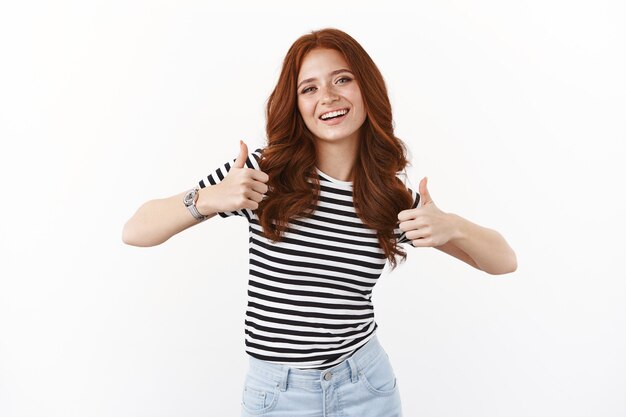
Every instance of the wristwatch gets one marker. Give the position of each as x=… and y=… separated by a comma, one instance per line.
x=190, y=202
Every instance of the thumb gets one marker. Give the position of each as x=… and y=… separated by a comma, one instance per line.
x=240, y=162
x=424, y=194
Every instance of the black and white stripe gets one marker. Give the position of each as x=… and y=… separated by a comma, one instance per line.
x=309, y=296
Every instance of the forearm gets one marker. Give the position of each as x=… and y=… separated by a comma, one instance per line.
x=158, y=220
x=485, y=246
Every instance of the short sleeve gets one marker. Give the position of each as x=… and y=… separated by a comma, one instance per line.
x=399, y=233
x=218, y=174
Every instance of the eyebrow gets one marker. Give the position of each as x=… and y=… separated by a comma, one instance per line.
x=335, y=72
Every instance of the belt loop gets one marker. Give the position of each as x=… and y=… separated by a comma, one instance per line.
x=353, y=369
x=283, y=379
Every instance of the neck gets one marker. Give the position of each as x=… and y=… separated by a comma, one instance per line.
x=337, y=158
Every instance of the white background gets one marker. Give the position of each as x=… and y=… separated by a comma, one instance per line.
x=514, y=110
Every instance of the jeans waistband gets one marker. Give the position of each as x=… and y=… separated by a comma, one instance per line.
x=284, y=375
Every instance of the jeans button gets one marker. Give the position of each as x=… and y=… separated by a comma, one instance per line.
x=328, y=375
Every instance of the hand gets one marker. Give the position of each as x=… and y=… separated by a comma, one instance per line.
x=426, y=225
x=242, y=187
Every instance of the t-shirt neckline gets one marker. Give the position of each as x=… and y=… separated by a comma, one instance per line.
x=334, y=180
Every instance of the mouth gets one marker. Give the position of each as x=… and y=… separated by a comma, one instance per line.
x=334, y=117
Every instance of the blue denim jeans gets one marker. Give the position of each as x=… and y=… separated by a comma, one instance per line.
x=364, y=385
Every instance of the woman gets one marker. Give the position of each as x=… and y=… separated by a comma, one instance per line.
x=326, y=211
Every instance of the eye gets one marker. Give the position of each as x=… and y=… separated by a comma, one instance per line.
x=306, y=90
x=344, y=78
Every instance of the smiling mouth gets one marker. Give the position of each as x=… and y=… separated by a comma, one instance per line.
x=335, y=114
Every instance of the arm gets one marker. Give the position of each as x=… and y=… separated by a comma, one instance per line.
x=480, y=247
x=158, y=220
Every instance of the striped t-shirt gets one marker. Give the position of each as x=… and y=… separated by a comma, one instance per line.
x=310, y=295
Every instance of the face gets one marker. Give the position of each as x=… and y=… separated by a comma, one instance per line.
x=326, y=84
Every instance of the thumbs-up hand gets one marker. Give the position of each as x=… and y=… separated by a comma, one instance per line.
x=242, y=187
x=426, y=225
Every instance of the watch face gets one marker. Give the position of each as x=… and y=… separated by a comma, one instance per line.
x=189, y=197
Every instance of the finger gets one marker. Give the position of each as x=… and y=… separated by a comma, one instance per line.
x=422, y=243
x=251, y=204
x=254, y=196
x=259, y=187
x=418, y=233
x=252, y=200
x=424, y=194
x=259, y=175
x=405, y=215
x=411, y=226
x=406, y=225
x=240, y=162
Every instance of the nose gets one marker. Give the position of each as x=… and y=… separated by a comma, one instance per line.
x=329, y=95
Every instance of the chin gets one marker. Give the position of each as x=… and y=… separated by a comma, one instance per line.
x=335, y=136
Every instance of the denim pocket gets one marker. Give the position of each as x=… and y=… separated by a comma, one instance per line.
x=258, y=397
x=378, y=376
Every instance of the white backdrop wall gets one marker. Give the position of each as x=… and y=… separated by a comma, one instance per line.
x=514, y=110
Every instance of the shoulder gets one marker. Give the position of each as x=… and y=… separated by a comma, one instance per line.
x=414, y=194
x=416, y=197
x=252, y=161
x=254, y=158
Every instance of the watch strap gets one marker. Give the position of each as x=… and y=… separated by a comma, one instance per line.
x=192, y=204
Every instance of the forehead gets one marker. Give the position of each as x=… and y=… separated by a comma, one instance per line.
x=319, y=62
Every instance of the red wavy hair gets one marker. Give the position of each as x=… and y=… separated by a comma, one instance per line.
x=290, y=156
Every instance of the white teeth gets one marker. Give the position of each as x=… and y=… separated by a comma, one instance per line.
x=333, y=114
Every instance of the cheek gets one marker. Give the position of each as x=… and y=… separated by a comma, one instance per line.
x=357, y=100
x=304, y=108
x=359, y=104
